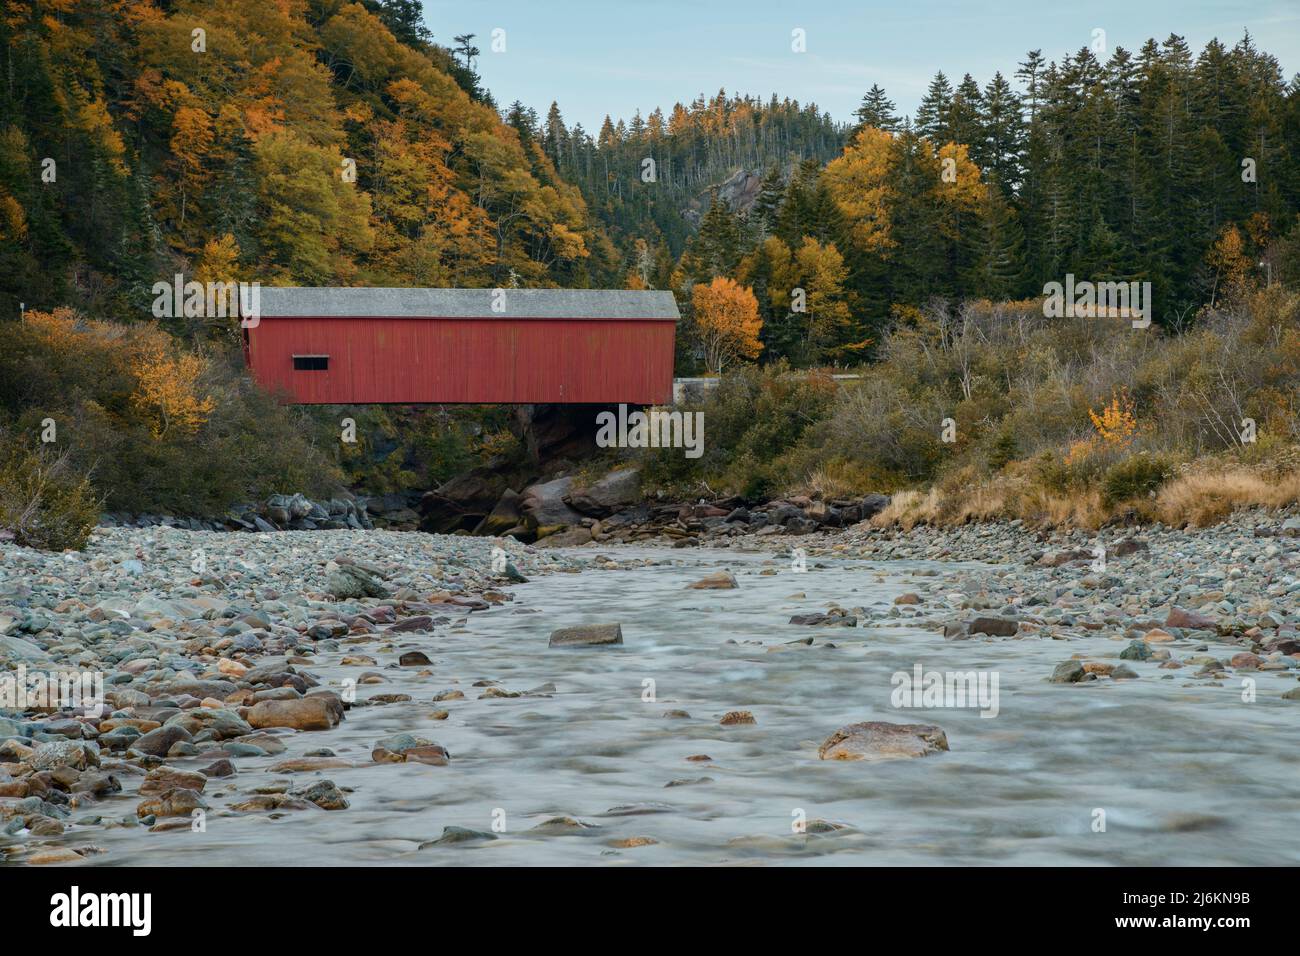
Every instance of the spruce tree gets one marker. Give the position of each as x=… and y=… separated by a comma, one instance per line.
x=934, y=115
x=877, y=110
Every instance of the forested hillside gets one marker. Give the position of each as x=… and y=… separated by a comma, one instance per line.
x=649, y=178
x=1166, y=166
x=142, y=139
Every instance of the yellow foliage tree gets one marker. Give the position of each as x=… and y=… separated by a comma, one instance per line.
x=727, y=321
x=860, y=182
x=823, y=271
x=1227, y=257
x=167, y=385
x=1116, y=423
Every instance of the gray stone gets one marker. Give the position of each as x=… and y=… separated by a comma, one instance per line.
x=587, y=635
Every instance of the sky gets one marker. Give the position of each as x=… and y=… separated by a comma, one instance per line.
x=598, y=57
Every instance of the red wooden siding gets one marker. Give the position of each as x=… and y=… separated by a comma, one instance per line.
x=466, y=360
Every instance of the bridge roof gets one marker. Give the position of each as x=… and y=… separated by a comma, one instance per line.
x=349, y=303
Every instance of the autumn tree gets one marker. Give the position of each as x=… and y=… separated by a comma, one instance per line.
x=167, y=386
x=726, y=322
x=1227, y=261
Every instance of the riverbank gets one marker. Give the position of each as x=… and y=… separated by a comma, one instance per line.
x=252, y=708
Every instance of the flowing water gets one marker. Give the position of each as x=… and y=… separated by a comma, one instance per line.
x=1185, y=775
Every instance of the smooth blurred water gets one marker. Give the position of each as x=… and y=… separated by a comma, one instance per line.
x=1186, y=775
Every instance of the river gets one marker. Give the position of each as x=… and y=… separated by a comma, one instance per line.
x=1185, y=775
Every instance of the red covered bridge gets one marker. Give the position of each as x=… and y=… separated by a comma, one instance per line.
x=353, y=346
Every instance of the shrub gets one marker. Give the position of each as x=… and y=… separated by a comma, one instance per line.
x=44, y=502
x=1135, y=477
x=158, y=427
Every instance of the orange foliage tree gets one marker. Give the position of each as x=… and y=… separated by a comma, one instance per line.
x=726, y=321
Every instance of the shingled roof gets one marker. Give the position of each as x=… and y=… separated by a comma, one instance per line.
x=344, y=303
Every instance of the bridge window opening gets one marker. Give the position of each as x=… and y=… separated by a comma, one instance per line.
x=311, y=363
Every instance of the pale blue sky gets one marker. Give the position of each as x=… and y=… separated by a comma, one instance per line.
x=615, y=56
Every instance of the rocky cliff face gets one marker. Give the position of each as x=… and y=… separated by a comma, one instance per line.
x=739, y=191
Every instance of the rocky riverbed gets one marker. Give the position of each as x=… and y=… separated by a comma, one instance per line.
x=354, y=696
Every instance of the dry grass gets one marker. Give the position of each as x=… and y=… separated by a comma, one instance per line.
x=907, y=509
x=1080, y=509
x=995, y=500
x=1200, y=497
x=838, y=478
x=1205, y=498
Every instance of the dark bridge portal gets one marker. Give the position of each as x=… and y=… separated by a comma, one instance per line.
x=354, y=346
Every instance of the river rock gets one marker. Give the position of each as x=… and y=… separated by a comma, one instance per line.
x=1136, y=651
x=158, y=742
x=569, y=538
x=421, y=622
x=994, y=626
x=717, y=581
x=309, y=713
x=349, y=582
x=172, y=803
x=587, y=635
x=325, y=794
x=75, y=754
x=1070, y=672
x=880, y=739
x=454, y=835
x=162, y=779
x=1179, y=617
x=400, y=748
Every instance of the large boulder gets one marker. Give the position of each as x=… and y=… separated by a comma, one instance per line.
x=543, y=505
x=872, y=505
x=616, y=490
x=878, y=739
x=503, y=516
x=461, y=503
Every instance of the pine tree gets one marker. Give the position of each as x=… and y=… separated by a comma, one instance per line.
x=934, y=115
x=717, y=246
x=768, y=202
x=1000, y=151
x=965, y=120
x=999, y=252
x=877, y=110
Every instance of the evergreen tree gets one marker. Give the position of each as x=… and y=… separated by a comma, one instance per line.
x=877, y=110
x=768, y=202
x=934, y=115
